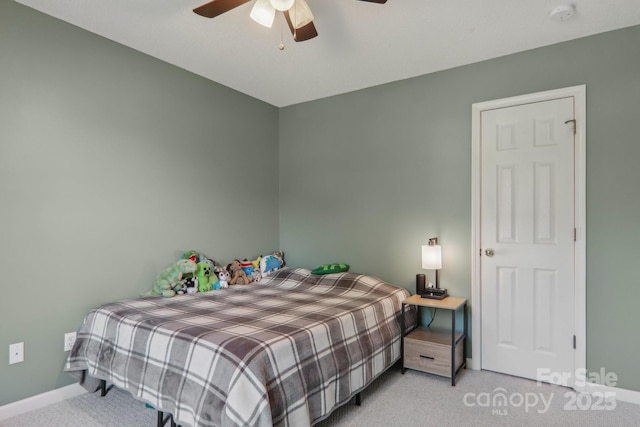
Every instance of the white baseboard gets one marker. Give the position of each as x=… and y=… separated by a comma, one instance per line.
x=38, y=401
x=620, y=394
x=471, y=365
x=58, y=395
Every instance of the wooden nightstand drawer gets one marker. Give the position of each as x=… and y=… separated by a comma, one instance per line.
x=429, y=350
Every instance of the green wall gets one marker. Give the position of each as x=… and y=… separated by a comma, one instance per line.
x=367, y=177
x=111, y=164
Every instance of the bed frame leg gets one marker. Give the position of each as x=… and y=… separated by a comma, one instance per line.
x=162, y=420
x=358, y=399
x=103, y=388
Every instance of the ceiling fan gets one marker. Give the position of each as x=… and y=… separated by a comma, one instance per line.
x=296, y=12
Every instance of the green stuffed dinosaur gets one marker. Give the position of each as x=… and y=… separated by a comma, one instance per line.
x=170, y=278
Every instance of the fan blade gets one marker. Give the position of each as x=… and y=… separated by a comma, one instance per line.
x=300, y=14
x=303, y=33
x=376, y=1
x=218, y=7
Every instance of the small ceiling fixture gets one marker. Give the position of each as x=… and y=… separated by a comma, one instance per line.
x=264, y=12
x=296, y=12
x=562, y=13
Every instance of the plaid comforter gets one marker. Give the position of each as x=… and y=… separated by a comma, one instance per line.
x=286, y=351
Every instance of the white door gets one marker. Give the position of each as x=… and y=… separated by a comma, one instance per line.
x=527, y=238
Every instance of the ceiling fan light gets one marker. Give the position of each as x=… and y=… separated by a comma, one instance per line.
x=300, y=14
x=282, y=5
x=263, y=13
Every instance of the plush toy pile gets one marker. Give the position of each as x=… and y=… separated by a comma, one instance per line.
x=169, y=279
x=196, y=272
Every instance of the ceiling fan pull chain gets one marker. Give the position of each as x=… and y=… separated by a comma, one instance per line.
x=295, y=30
x=281, y=45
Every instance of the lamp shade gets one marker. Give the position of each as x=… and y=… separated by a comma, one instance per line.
x=432, y=257
x=282, y=5
x=263, y=13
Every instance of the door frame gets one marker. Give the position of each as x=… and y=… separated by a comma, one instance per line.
x=579, y=94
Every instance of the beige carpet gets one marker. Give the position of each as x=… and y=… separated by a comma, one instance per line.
x=396, y=400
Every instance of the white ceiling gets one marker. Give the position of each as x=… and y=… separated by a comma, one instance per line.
x=359, y=45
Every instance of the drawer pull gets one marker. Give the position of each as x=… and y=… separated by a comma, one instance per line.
x=427, y=357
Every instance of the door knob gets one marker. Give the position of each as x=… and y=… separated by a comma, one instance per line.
x=489, y=252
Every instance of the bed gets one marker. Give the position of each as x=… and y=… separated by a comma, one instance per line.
x=285, y=352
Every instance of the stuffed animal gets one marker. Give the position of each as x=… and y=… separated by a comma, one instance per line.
x=255, y=275
x=247, y=266
x=223, y=277
x=192, y=255
x=238, y=276
x=256, y=263
x=206, y=280
x=209, y=261
x=271, y=263
x=189, y=286
x=170, y=278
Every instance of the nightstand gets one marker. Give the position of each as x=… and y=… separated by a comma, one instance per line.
x=433, y=350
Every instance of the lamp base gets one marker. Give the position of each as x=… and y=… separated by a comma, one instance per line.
x=434, y=293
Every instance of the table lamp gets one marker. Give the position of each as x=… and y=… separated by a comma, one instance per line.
x=432, y=260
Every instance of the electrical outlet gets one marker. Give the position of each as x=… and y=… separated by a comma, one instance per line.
x=69, y=340
x=16, y=353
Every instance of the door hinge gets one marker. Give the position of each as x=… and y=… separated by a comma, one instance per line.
x=574, y=342
x=574, y=124
x=575, y=234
